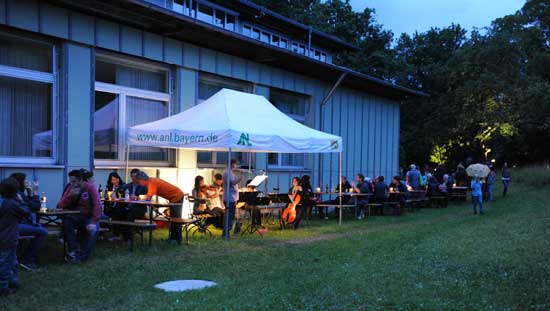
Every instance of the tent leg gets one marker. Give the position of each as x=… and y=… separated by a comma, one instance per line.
x=127, y=160
x=340, y=188
x=227, y=195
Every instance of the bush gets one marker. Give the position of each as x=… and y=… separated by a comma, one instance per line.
x=532, y=175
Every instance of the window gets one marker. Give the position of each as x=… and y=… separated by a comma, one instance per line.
x=284, y=43
x=265, y=37
x=205, y=13
x=255, y=34
x=208, y=86
x=219, y=19
x=230, y=22
x=128, y=94
x=295, y=106
x=27, y=106
x=247, y=31
x=275, y=40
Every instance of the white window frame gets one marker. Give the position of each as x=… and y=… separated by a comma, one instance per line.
x=37, y=76
x=123, y=92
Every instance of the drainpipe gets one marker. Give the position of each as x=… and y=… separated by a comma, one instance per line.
x=323, y=103
x=309, y=42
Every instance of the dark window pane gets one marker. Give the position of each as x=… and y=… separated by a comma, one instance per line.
x=265, y=37
x=205, y=13
x=256, y=34
x=204, y=157
x=25, y=54
x=288, y=102
x=130, y=76
x=220, y=18
x=275, y=40
x=139, y=111
x=230, y=24
x=209, y=88
x=106, y=126
x=273, y=159
x=25, y=118
x=247, y=31
x=284, y=43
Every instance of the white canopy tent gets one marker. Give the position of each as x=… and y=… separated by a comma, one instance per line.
x=234, y=121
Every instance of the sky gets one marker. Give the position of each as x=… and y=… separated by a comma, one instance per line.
x=420, y=15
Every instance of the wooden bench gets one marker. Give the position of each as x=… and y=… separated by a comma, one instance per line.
x=197, y=224
x=438, y=201
x=136, y=226
x=371, y=206
x=392, y=208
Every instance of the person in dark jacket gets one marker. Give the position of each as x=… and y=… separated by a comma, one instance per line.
x=116, y=210
x=11, y=214
x=381, y=193
x=29, y=226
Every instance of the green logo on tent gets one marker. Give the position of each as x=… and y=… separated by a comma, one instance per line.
x=244, y=140
x=334, y=145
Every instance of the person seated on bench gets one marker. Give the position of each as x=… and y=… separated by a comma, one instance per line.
x=308, y=200
x=380, y=193
x=164, y=189
x=399, y=185
x=115, y=210
x=345, y=198
x=11, y=214
x=215, y=195
x=433, y=187
x=82, y=196
x=28, y=226
x=202, y=200
x=361, y=187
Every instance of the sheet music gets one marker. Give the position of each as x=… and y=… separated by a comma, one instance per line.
x=257, y=181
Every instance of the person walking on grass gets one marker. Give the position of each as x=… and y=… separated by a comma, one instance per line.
x=490, y=182
x=506, y=177
x=477, y=198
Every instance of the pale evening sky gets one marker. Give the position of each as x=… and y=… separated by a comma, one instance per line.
x=410, y=15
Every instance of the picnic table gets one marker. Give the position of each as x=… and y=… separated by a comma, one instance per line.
x=55, y=217
x=340, y=204
x=153, y=208
x=458, y=193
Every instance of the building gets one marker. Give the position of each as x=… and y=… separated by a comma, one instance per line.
x=75, y=74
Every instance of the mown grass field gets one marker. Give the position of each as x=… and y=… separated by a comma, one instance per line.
x=436, y=259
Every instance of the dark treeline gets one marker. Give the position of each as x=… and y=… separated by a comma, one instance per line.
x=490, y=90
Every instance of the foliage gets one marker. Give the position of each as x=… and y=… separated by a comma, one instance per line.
x=490, y=91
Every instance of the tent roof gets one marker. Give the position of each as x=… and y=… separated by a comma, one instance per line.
x=236, y=120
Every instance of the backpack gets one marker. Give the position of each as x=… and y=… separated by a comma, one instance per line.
x=422, y=182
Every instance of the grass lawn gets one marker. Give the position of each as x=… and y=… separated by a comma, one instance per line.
x=437, y=259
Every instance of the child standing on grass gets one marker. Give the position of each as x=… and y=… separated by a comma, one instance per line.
x=477, y=198
x=11, y=213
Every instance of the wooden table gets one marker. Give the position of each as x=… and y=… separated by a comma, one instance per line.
x=55, y=217
x=340, y=205
x=458, y=193
x=152, y=206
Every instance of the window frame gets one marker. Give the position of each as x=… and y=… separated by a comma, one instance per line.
x=123, y=92
x=299, y=118
x=43, y=77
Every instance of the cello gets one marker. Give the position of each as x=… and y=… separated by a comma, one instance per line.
x=289, y=213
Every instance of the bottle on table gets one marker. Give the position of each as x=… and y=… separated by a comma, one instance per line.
x=127, y=195
x=100, y=190
x=326, y=188
x=43, y=200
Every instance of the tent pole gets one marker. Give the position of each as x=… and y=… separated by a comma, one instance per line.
x=227, y=195
x=127, y=160
x=340, y=188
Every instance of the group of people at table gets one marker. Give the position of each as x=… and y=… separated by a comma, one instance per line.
x=19, y=204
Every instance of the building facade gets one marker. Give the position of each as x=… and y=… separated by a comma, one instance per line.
x=74, y=75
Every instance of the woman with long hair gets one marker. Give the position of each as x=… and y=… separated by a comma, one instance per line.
x=115, y=210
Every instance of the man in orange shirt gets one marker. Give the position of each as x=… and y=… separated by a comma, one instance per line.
x=166, y=190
